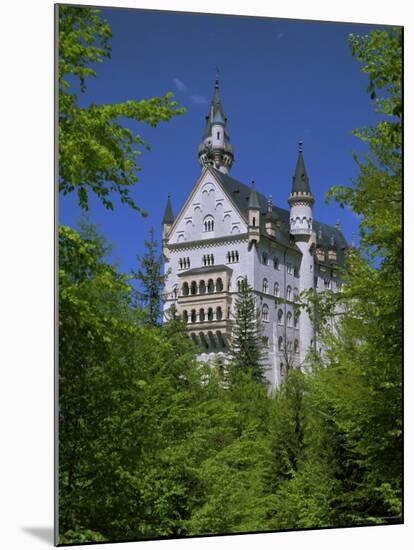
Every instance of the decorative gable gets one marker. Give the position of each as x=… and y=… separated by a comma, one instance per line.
x=208, y=213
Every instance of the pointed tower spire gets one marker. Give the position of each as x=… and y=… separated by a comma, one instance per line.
x=300, y=181
x=253, y=199
x=215, y=148
x=300, y=199
x=168, y=218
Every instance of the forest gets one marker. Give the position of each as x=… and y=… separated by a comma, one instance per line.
x=152, y=443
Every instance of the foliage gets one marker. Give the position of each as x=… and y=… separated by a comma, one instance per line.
x=149, y=274
x=246, y=352
x=97, y=152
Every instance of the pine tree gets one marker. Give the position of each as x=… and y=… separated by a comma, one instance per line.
x=151, y=279
x=246, y=348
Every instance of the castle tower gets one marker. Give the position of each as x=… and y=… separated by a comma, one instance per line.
x=301, y=218
x=215, y=148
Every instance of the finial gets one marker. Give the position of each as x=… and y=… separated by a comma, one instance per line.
x=253, y=184
x=217, y=77
x=300, y=143
x=353, y=240
x=338, y=225
x=269, y=204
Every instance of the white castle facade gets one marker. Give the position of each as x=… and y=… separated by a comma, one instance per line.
x=227, y=231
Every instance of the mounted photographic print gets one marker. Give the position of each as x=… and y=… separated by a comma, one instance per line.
x=230, y=275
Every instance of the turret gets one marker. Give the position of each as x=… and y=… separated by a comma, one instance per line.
x=301, y=200
x=215, y=148
x=271, y=221
x=253, y=209
x=167, y=223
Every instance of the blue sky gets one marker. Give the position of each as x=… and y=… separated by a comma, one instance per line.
x=280, y=80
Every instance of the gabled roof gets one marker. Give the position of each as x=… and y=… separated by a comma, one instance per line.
x=239, y=193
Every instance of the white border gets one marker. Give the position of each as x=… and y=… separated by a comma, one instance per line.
x=26, y=295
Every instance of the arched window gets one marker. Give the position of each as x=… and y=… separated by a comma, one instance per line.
x=210, y=314
x=264, y=258
x=289, y=318
x=209, y=223
x=254, y=221
x=219, y=314
x=276, y=263
x=280, y=343
x=185, y=316
x=265, y=341
x=185, y=289
x=296, y=320
x=212, y=259
x=282, y=371
x=265, y=286
x=276, y=289
x=280, y=316
x=289, y=293
x=210, y=286
x=202, y=315
x=202, y=287
x=237, y=256
x=265, y=312
x=219, y=285
x=232, y=256
x=289, y=345
x=193, y=316
x=311, y=344
x=228, y=257
x=296, y=346
x=295, y=293
x=193, y=287
x=175, y=292
x=181, y=263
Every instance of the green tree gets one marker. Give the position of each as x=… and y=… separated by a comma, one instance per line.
x=246, y=353
x=149, y=275
x=97, y=153
x=362, y=387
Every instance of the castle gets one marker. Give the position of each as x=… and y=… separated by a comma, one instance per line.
x=227, y=231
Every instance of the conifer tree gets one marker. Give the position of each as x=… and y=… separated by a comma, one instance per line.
x=151, y=279
x=246, y=348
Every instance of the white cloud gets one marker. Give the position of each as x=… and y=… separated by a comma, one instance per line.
x=198, y=99
x=179, y=84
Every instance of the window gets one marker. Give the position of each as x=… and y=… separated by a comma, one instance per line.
x=202, y=315
x=202, y=287
x=265, y=341
x=327, y=284
x=219, y=314
x=296, y=346
x=193, y=316
x=184, y=263
x=209, y=223
x=295, y=293
x=219, y=285
x=289, y=267
x=276, y=289
x=280, y=343
x=210, y=286
x=185, y=316
x=210, y=314
x=280, y=316
x=282, y=370
x=296, y=271
x=185, y=290
x=289, y=346
x=296, y=320
x=175, y=292
x=264, y=258
x=276, y=263
x=218, y=135
x=254, y=221
x=289, y=318
x=232, y=256
x=208, y=259
x=265, y=286
x=193, y=287
x=289, y=293
x=265, y=312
